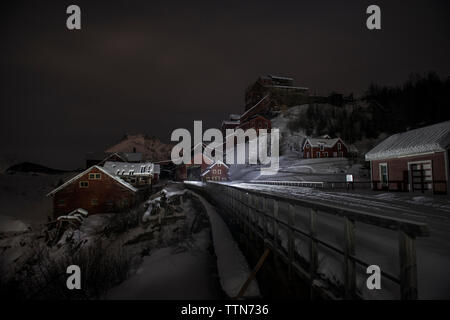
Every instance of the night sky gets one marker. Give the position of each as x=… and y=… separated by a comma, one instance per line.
x=144, y=66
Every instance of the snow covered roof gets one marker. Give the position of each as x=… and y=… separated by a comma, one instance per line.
x=280, y=77
x=123, y=183
x=288, y=87
x=235, y=117
x=129, y=168
x=429, y=139
x=230, y=122
x=327, y=143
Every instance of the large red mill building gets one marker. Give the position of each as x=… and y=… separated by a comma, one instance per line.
x=416, y=160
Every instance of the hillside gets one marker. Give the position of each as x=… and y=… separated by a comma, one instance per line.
x=152, y=148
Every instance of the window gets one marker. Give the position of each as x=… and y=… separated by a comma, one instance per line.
x=123, y=172
x=84, y=184
x=214, y=171
x=219, y=171
x=131, y=172
x=95, y=176
x=94, y=202
x=384, y=174
x=322, y=147
x=61, y=203
x=318, y=154
x=118, y=172
x=143, y=169
x=325, y=154
x=307, y=146
x=339, y=146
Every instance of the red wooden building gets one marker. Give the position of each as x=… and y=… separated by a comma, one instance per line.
x=416, y=160
x=94, y=190
x=324, y=148
x=218, y=171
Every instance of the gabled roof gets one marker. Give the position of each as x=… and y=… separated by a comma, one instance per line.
x=327, y=143
x=123, y=183
x=434, y=138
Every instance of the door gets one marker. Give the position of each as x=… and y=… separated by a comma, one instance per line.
x=421, y=176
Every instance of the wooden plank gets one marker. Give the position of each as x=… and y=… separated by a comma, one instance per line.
x=349, y=264
x=408, y=266
x=291, y=240
x=275, y=223
x=258, y=266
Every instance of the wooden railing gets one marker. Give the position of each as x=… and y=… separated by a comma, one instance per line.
x=258, y=212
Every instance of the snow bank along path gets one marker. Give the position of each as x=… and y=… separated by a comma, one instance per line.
x=231, y=264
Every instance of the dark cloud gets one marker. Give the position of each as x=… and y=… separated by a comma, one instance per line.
x=147, y=66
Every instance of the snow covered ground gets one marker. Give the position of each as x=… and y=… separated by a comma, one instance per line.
x=232, y=266
x=294, y=168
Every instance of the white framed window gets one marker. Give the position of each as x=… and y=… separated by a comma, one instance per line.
x=95, y=176
x=322, y=147
x=84, y=184
x=339, y=146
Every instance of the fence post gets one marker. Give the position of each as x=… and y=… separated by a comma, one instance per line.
x=275, y=223
x=264, y=210
x=291, y=241
x=313, y=257
x=408, y=266
x=349, y=251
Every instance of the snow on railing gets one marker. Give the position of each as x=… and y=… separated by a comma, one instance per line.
x=258, y=212
x=309, y=184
